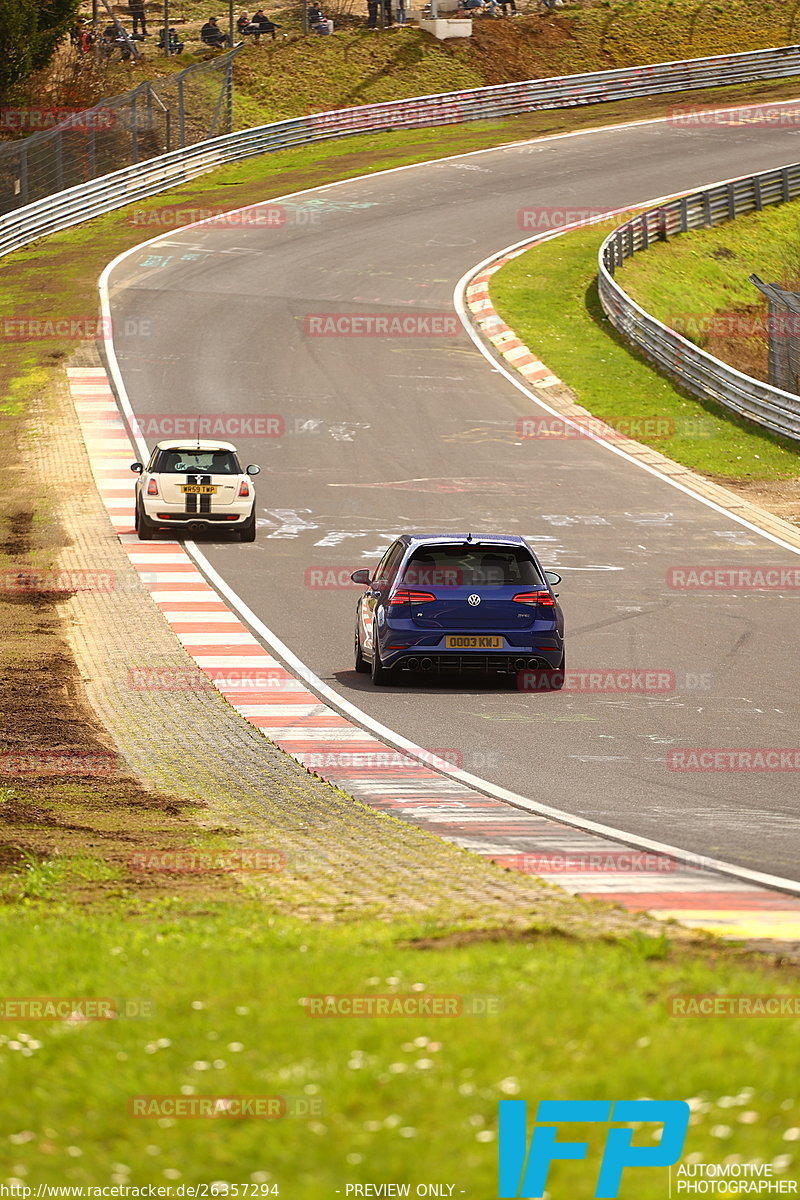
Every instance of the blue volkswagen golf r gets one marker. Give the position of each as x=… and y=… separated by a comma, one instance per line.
x=463, y=602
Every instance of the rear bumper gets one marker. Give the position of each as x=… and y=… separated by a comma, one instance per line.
x=165, y=516
x=478, y=663
x=162, y=512
x=509, y=660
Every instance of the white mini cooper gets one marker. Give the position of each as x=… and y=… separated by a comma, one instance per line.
x=192, y=486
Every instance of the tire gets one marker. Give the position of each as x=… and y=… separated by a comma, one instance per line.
x=247, y=532
x=362, y=666
x=380, y=675
x=144, y=526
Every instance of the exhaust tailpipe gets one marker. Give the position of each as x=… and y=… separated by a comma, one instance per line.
x=426, y=664
x=412, y=664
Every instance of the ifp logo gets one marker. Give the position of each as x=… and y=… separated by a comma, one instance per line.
x=523, y=1169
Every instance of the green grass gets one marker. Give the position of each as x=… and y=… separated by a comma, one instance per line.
x=44, y=880
x=403, y=1099
x=357, y=66
x=707, y=270
x=549, y=296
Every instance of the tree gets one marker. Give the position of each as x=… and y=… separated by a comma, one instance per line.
x=30, y=30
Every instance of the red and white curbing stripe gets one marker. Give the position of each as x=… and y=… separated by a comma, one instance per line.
x=281, y=706
x=501, y=336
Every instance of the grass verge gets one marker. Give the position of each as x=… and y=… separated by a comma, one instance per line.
x=293, y=74
x=549, y=296
x=212, y=1005
x=706, y=273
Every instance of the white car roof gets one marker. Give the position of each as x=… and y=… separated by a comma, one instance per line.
x=192, y=444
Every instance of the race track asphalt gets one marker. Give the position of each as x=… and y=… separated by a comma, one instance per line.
x=382, y=435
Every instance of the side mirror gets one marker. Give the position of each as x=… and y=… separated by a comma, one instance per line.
x=137, y=468
x=253, y=469
x=553, y=577
x=361, y=576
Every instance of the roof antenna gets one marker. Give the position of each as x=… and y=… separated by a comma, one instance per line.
x=198, y=431
x=469, y=537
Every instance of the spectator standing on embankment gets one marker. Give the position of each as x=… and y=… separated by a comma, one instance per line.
x=138, y=15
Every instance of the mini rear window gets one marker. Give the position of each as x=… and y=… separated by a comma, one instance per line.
x=471, y=566
x=193, y=462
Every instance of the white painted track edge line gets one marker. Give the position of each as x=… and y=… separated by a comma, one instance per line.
x=461, y=305
x=483, y=786
x=494, y=791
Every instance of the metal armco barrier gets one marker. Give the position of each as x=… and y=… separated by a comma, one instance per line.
x=97, y=196
x=700, y=373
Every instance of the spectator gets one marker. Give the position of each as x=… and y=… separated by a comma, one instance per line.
x=372, y=14
x=212, y=35
x=81, y=37
x=387, y=13
x=314, y=16
x=323, y=26
x=115, y=38
x=262, y=24
x=175, y=46
x=504, y=5
x=242, y=21
x=136, y=9
x=401, y=13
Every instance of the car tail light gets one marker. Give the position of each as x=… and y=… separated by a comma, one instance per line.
x=540, y=597
x=152, y=488
x=244, y=488
x=407, y=596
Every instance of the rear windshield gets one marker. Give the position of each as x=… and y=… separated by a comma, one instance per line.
x=471, y=566
x=207, y=462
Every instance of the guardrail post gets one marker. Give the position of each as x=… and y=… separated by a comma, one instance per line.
x=706, y=208
x=663, y=226
x=645, y=232
x=683, y=209
x=787, y=191
x=731, y=201
x=757, y=198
